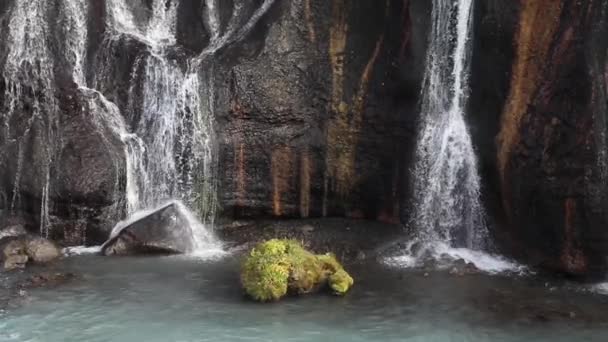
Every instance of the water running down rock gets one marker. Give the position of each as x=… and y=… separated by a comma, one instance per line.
x=169, y=229
x=448, y=217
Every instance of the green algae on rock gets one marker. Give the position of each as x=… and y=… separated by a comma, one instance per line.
x=276, y=268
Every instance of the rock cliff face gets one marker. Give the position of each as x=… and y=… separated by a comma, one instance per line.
x=320, y=120
x=314, y=109
x=540, y=83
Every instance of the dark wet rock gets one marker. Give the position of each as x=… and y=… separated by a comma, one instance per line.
x=316, y=113
x=316, y=127
x=165, y=230
x=461, y=267
x=350, y=240
x=538, y=114
x=47, y=279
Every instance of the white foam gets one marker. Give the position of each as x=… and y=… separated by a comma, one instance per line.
x=204, y=241
x=81, y=250
x=600, y=288
x=443, y=256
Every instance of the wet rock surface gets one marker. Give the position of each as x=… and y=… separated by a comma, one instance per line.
x=349, y=240
x=316, y=113
x=543, y=148
x=164, y=231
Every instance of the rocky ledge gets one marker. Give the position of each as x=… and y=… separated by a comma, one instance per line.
x=350, y=240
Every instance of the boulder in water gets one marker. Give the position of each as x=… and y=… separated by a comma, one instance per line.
x=276, y=268
x=12, y=253
x=166, y=230
x=40, y=250
x=17, y=251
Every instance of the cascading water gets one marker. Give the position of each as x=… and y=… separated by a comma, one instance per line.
x=447, y=216
x=446, y=183
x=28, y=77
x=174, y=129
x=163, y=122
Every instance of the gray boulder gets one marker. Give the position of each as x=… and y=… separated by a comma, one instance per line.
x=165, y=231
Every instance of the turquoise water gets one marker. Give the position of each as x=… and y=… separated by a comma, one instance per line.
x=181, y=299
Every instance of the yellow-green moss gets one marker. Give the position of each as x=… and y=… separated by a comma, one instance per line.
x=340, y=282
x=265, y=272
x=277, y=267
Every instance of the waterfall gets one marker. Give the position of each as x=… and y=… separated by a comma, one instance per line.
x=447, y=217
x=158, y=127
x=28, y=77
x=446, y=181
x=174, y=124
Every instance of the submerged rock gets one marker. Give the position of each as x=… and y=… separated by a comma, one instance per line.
x=462, y=267
x=276, y=268
x=47, y=279
x=166, y=230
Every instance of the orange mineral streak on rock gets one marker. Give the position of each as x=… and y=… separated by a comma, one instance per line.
x=338, y=33
x=310, y=22
x=239, y=156
x=306, y=168
x=538, y=23
x=282, y=174
x=390, y=212
x=572, y=258
x=406, y=35
x=344, y=127
x=240, y=175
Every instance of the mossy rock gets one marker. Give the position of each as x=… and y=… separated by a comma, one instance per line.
x=276, y=268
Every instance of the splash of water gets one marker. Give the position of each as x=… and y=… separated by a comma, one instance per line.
x=446, y=182
x=174, y=124
x=448, y=216
x=205, y=243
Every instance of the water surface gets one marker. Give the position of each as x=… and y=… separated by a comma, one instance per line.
x=184, y=299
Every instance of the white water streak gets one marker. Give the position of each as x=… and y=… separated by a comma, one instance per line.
x=446, y=181
x=28, y=72
x=448, y=216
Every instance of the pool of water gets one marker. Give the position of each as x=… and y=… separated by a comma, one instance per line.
x=186, y=299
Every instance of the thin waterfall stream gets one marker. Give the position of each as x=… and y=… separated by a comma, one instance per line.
x=303, y=170
x=448, y=217
x=166, y=127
